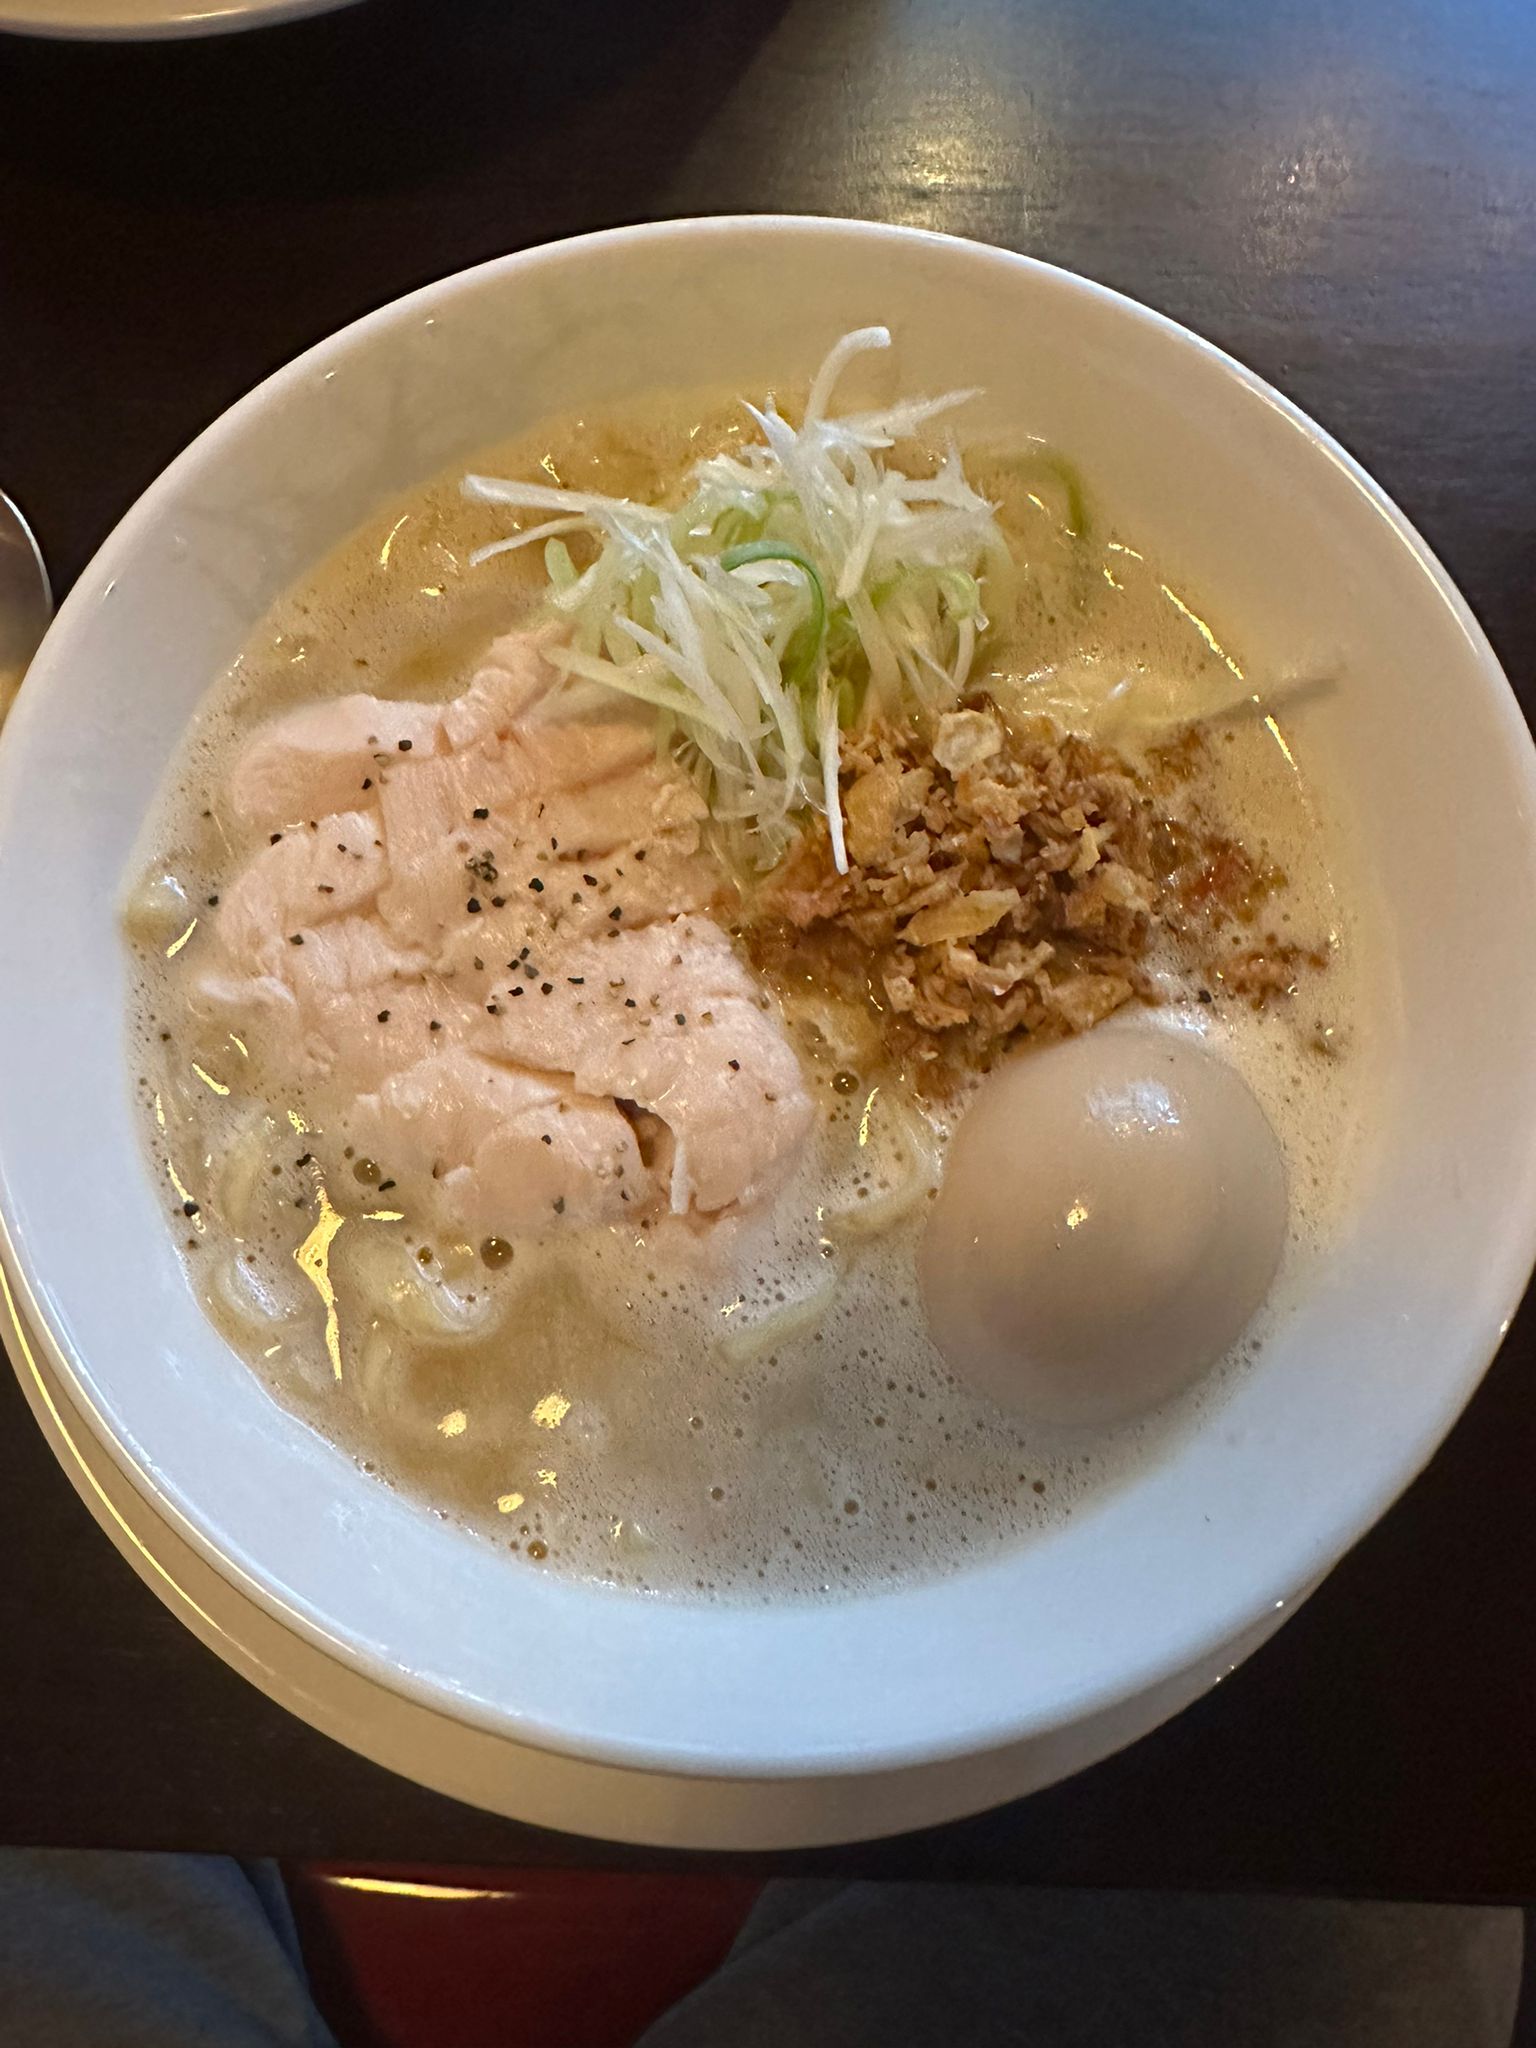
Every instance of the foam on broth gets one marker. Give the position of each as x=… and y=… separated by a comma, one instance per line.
x=600, y=1406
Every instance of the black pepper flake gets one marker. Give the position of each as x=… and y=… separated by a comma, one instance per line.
x=546, y=1139
x=678, y=1017
x=385, y=1186
x=404, y=746
x=367, y=782
x=546, y=988
x=383, y=1016
x=1206, y=996
x=576, y=980
x=514, y=991
x=554, y=846
x=626, y=1041
x=559, y=1205
x=165, y=1038
x=483, y=865
x=493, y=1009
x=590, y=880
x=295, y=938
x=481, y=811
x=734, y=1065
x=213, y=902
x=575, y=895
x=523, y=955
x=189, y=1208
x=278, y=835
x=535, y=884
x=479, y=964
x=617, y=912
x=498, y=903
x=434, y=1025
x=304, y=1159
x=629, y=1003
x=473, y=905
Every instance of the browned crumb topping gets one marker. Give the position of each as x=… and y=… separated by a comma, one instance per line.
x=1006, y=882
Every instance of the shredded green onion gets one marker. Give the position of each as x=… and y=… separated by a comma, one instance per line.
x=805, y=584
x=801, y=656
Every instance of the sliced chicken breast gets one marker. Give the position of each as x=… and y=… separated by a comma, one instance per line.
x=508, y=1149
x=326, y=757
x=668, y=1018
x=488, y=913
x=307, y=876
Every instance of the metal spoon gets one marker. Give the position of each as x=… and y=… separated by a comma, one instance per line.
x=26, y=602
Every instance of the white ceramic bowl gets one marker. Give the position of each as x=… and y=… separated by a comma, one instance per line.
x=1249, y=504
x=122, y=21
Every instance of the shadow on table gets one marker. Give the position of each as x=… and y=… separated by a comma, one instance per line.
x=389, y=93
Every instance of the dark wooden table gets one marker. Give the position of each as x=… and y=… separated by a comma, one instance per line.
x=1342, y=192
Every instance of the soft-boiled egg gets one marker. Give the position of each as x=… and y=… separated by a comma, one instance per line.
x=1112, y=1214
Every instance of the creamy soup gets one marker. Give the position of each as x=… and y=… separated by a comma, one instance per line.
x=666, y=1330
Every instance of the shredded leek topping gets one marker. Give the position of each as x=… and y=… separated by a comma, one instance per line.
x=806, y=586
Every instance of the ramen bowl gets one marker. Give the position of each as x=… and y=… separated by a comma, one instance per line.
x=1430, y=773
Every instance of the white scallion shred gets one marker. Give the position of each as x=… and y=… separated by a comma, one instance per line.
x=804, y=586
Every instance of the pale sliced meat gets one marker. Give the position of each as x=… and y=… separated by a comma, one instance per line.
x=511, y=684
x=360, y=1036
x=307, y=876
x=292, y=934
x=558, y=820
x=320, y=759
x=325, y=757
x=578, y=899
x=496, y=923
x=583, y=897
x=669, y=1019
x=425, y=804
x=317, y=1004
x=260, y=1006
x=364, y=1035
x=353, y=954
x=577, y=754
x=659, y=879
x=641, y=805
x=431, y=835
x=349, y=981
x=509, y=1149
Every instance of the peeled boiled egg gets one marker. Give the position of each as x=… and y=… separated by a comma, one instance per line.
x=1111, y=1217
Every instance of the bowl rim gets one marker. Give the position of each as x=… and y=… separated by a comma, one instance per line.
x=1509, y=1256
x=175, y=21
